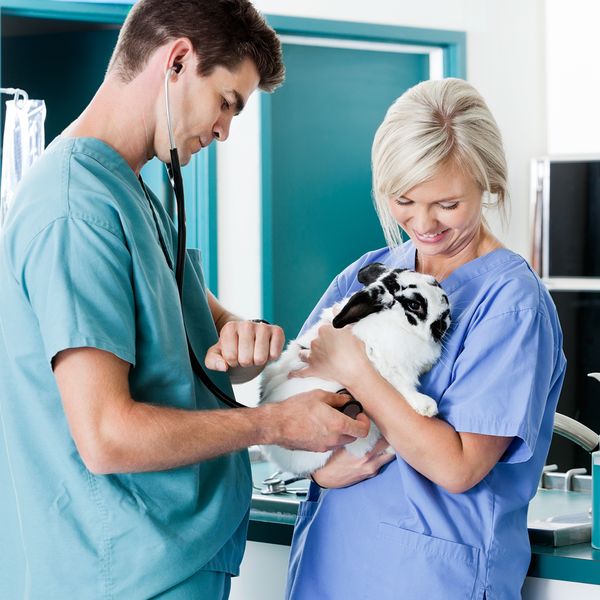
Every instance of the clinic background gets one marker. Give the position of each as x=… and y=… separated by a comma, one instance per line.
x=535, y=63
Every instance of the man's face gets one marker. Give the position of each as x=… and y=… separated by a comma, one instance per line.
x=202, y=106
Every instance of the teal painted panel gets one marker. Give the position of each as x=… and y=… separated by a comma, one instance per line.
x=42, y=64
x=199, y=180
x=322, y=125
x=64, y=69
x=85, y=11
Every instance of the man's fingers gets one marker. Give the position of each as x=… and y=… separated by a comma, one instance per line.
x=277, y=342
x=214, y=360
x=335, y=400
x=262, y=344
x=228, y=342
x=356, y=429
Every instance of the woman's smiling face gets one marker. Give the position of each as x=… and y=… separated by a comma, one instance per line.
x=443, y=215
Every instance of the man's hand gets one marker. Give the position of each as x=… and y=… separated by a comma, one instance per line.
x=311, y=421
x=244, y=348
x=344, y=469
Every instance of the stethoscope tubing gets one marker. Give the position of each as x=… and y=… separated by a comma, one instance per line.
x=175, y=177
x=350, y=408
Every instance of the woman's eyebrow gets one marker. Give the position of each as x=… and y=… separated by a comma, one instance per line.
x=445, y=199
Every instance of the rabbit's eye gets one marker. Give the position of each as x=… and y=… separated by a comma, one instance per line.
x=413, y=305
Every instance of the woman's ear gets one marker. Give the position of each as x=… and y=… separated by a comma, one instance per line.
x=358, y=307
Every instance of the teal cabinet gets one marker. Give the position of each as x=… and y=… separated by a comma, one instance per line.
x=58, y=51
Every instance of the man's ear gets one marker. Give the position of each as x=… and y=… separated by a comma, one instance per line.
x=180, y=55
x=358, y=307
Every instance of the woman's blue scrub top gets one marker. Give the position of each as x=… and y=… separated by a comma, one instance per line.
x=81, y=265
x=398, y=535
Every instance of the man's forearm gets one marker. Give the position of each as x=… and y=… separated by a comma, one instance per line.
x=145, y=437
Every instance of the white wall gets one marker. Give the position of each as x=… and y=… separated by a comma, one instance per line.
x=505, y=61
x=573, y=76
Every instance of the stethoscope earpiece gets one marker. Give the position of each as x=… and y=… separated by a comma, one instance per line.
x=176, y=179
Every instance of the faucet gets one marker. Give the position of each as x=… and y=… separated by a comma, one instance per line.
x=575, y=431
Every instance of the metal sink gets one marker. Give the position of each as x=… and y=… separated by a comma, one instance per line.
x=560, y=513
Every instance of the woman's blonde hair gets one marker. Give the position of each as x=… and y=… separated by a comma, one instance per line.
x=431, y=124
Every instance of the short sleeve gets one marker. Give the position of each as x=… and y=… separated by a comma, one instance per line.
x=77, y=277
x=502, y=380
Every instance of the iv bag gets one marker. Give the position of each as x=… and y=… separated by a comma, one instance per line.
x=23, y=143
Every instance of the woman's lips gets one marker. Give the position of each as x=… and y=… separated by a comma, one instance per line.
x=431, y=238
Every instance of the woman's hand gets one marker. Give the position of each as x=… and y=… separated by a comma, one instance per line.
x=335, y=354
x=344, y=469
x=244, y=348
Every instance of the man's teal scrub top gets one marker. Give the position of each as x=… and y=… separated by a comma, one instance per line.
x=81, y=265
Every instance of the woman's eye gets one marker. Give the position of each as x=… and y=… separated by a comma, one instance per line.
x=402, y=202
x=225, y=105
x=448, y=205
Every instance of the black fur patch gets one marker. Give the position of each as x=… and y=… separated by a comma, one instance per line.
x=417, y=305
x=371, y=272
x=410, y=319
x=376, y=292
x=391, y=283
x=360, y=305
x=438, y=328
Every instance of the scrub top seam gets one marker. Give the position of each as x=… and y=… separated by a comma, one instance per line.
x=79, y=340
x=516, y=311
x=491, y=539
x=484, y=269
x=118, y=161
x=14, y=489
x=105, y=554
x=74, y=217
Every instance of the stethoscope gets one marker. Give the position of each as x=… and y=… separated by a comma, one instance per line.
x=174, y=173
x=351, y=408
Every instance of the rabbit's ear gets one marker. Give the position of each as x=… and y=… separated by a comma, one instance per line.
x=371, y=272
x=357, y=308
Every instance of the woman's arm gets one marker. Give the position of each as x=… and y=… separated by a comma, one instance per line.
x=454, y=460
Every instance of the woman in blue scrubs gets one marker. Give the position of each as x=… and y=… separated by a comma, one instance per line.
x=447, y=518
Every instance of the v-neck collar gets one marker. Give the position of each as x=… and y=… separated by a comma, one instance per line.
x=470, y=270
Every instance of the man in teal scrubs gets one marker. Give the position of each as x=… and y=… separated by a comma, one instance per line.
x=129, y=478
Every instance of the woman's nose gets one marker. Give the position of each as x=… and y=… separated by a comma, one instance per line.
x=423, y=221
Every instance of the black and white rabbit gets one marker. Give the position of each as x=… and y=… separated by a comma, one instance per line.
x=401, y=316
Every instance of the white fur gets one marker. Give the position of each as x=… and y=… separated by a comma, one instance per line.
x=401, y=352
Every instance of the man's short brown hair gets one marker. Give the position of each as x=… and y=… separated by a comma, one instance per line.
x=222, y=32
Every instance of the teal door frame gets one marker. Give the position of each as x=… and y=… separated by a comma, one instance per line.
x=452, y=44
x=199, y=176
